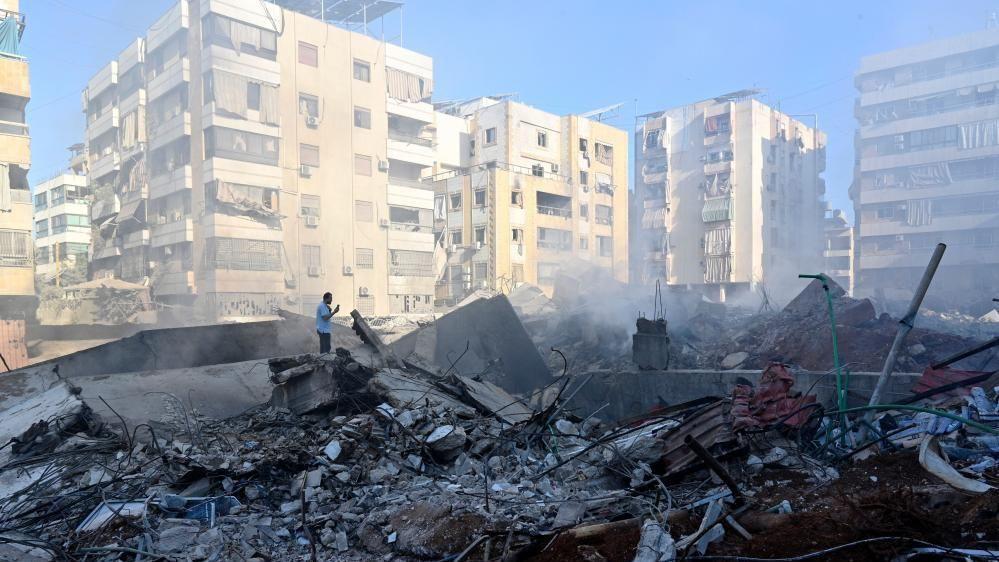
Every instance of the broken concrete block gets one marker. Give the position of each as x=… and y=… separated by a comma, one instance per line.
x=566, y=427
x=733, y=360
x=447, y=441
x=569, y=513
x=332, y=450
x=655, y=544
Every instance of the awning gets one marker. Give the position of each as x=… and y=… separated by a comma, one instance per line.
x=719, y=209
x=134, y=210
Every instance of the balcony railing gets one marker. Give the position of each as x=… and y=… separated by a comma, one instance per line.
x=555, y=245
x=407, y=182
x=406, y=227
x=555, y=211
x=13, y=128
x=20, y=196
x=411, y=139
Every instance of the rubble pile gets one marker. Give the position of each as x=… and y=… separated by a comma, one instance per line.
x=380, y=453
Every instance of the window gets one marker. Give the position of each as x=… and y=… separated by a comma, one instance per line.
x=364, y=211
x=308, y=105
x=454, y=201
x=604, y=214
x=241, y=145
x=584, y=177
x=517, y=235
x=243, y=254
x=15, y=248
x=471, y=147
x=480, y=270
x=479, y=197
x=542, y=139
x=312, y=260
x=584, y=145
x=366, y=305
x=253, y=95
x=241, y=195
x=411, y=219
x=168, y=158
x=584, y=243
x=42, y=255
x=456, y=237
x=886, y=212
x=410, y=263
x=364, y=258
x=42, y=228
x=584, y=211
x=41, y=201
x=308, y=54
x=517, y=198
x=362, y=165
x=362, y=118
x=362, y=71
x=555, y=239
x=243, y=37
x=537, y=170
x=62, y=223
x=310, y=206
x=605, y=246
x=490, y=136
x=480, y=235
x=604, y=153
x=308, y=155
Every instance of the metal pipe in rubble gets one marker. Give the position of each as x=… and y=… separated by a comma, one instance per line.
x=714, y=465
x=905, y=326
x=842, y=385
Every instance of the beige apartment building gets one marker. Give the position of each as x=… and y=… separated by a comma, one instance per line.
x=838, y=249
x=523, y=193
x=728, y=196
x=928, y=163
x=17, y=275
x=62, y=225
x=246, y=156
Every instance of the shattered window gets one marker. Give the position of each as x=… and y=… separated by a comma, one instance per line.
x=308, y=105
x=310, y=206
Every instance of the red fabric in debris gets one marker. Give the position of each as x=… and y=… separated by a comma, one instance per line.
x=933, y=378
x=770, y=402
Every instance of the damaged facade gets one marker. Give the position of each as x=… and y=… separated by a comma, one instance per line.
x=520, y=192
x=728, y=196
x=235, y=166
x=928, y=158
x=62, y=220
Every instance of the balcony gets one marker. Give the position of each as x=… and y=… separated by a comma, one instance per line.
x=717, y=167
x=177, y=18
x=170, y=130
x=170, y=77
x=165, y=184
x=173, y=233
x=136, y=239
x=104, y=165
x=555, y=212
x=132, y=55
x=175, y=283
x=134, y=100
x=410, y=148
x=104, y=79
x=110, y=250
x=16, y=145
x=15, y=77
x=407, y=182
x=106, y=121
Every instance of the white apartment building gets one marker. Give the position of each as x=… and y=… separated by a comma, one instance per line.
x=62, y=224
x=522, y=193
x=838, y=250
x=928, y=163
x=728, y=196
x=247, y=156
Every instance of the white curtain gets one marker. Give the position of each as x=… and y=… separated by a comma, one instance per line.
x=977, y=135
x=229, y=91
x=128, y=130
x=918, y=212
x=269, y=110
x=718, y=242
x=5, y=195
x=717, y=269
x=407, y=87
x=241, y=33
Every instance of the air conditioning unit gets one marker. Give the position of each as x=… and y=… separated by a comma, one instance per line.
x=362, y=291
x=478, y=245
x=305, y=171
x=314, y=271
x=383, y=166
x=311, y=121
x=383, y=223
x=311, y=220
x=347, y=270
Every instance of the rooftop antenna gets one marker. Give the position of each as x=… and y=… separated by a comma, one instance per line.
x=603, y=113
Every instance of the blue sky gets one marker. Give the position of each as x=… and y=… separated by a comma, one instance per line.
x=558, y=55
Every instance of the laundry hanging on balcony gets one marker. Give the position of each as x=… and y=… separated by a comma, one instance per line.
x=10, y=38
x=717, y=209
x=979, y=134
x=408, y=87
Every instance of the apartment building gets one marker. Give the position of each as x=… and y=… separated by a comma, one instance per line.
x=62, y=225
x=728, y=195
x=838, y=249
x=246, y=156
x=523, y=193
x=17, y=278
x=928, y=162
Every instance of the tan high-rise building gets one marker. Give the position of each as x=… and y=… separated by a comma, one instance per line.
x=17, y=275
x=522, y=193
x=248, y=156
x=728, y=197
x=838, y=251
x=927, y=170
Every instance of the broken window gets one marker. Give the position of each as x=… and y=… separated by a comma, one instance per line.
x=517, y=198
x=240, y=36
x=365, y=258
x=543, y=139
x=584, y=145
x=362, y=117
x=480, y=235
x=454, y=201
x=555, y=239
x=604, y=214
x=406, y=86
x=604, y=153
x=517, y=235
x=456, y=237
x=364, y=211
x=410, y=263
x=308, y=155
x=411, y=219
x=362, y=70
x=479, y=197
x=490, y=136
x=584, y=177
x=308, y=105
x=308, y=54
x=166, y=107
x=310, y=206
x=235, y=144
x=168, y=158
x=362, y=165
x=262, y=201
x=15, y=248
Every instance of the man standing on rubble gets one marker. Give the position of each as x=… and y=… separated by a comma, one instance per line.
x=323, y=326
